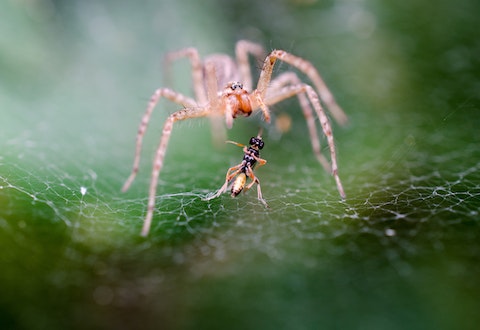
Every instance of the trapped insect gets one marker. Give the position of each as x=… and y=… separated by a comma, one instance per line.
x=244, y=170
x=223, y=86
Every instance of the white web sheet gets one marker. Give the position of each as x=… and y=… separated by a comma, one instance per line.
x=45, y=180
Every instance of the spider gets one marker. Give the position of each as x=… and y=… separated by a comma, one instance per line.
x=251, y=156
x=223, y=87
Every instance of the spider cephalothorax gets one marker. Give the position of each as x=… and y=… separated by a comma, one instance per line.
x=223, y=86
x=238, y=99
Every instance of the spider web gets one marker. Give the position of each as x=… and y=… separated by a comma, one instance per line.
x=63, y=215
x=70, y=174
x=74, y=182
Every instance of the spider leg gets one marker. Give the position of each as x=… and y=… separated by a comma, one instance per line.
x=327, y=130
x=307, y=68
x=278, y=91
x=197, y=71
x=242, y=49
x=160, y=155
x=258, y=100
x=161, y=92
x=218, y=129
x=289, y=91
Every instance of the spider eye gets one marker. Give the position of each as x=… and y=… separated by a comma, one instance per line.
x=236, y=85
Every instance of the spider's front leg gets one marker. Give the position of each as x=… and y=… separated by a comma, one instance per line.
x=160, y=155
x=196, y=68
x=154, y=99
x=289, y=91
x=242, y=49
x=308, y=69
x=283, y=87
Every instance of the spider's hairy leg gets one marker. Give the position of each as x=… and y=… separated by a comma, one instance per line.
x=242, y=49
x=197, y=71
x=290, y=91
x=160, y=155
x=310, y=71
x=157, y=95
x=327, y=130
x=259, y=101
x=218, y=130
x=279, y=90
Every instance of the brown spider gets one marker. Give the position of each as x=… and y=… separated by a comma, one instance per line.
x=223, y=86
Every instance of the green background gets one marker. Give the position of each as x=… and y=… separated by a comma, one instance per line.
x=401, y=252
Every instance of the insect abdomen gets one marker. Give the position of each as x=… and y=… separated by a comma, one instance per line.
x=239, y=184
